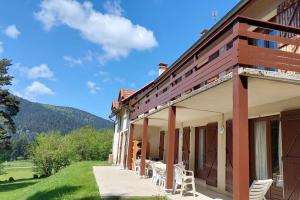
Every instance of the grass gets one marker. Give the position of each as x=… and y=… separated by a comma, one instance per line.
x=18, y=163
x=20, y=169
x=17, y=173
x=75, y=182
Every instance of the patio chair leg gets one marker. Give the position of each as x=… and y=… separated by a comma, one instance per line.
x=182, y=188
x=174, y=188
x=194, y=189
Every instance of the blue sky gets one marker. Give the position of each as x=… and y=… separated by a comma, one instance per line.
x=80, y=53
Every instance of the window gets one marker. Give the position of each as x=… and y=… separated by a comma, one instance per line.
x=265, y=44
x=268, y=150
x=213, y=56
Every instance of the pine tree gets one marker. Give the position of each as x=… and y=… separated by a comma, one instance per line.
x=9, y=105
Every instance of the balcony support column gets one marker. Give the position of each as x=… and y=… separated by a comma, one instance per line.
x=171, y=147
x=144, y=147
x=130, y=146
x=240, y=137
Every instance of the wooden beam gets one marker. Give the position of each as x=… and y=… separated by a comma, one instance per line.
x=144, y=147
x=130, y=146
x=240, y=137
x=171, y=146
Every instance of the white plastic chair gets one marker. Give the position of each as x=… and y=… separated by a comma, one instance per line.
x=162, y=179
x=137, y=167
x=259, y=188
x=183, y=178
x=155, y=176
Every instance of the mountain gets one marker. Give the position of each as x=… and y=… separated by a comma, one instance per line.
x=37, y=117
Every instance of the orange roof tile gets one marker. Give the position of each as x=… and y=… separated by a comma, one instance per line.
x=115, y=105
x=125, y=93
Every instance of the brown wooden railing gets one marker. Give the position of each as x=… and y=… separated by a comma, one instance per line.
x=234, y=45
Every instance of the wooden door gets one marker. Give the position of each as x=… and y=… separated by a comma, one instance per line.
x=211, y=151
x=161, y=145
x=229, y=155
x=176, y=146
x=291, y=154
x=200, y=152
x=186, y=147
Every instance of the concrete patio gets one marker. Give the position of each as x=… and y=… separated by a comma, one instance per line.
x=115, y=182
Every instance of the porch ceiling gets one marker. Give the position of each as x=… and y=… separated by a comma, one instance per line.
x=263, y=94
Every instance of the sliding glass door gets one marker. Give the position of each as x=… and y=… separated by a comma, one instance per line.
x=267, y=151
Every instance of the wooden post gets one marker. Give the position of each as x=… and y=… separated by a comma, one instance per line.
x=240, y=137
x=171, y=146
x=144, y=147
x=130, y=146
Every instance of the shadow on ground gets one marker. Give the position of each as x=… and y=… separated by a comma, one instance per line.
x=56, y=193
x=21, y=183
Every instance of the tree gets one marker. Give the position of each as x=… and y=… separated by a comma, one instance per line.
x=87, y=143
x=50, y=153
x=9, y=105
x=19, y=145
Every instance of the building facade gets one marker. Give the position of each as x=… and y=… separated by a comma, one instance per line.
x=120, y=114
x=229, y=107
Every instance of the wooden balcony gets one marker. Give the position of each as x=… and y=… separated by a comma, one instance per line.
x=242, y=42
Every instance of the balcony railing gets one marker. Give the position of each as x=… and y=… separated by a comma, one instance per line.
x=243, y=42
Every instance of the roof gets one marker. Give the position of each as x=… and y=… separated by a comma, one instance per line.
x=115, y=105
x=125, y=93
x=230, y=14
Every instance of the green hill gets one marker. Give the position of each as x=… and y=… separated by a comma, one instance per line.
x=37, y=117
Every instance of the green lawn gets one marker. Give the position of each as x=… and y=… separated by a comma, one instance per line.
x=75, y=182
x=18, y=163
x=20, y=169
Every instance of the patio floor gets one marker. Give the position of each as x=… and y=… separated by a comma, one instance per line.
x=115, y=182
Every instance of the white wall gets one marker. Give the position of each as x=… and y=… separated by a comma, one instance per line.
x=115, y=142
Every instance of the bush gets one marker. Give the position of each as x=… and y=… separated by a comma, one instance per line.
x=11, y=179
x=35, y=176
x=49, y=153
x=52, y=151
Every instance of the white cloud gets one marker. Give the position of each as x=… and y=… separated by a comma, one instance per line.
x=1, y=47
x=116, y=34
x=12, y=31
x=152, y=72
x=71, y=61
x=93, y=88
x=40, y=71
x=113, y=8
x=37, y=89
